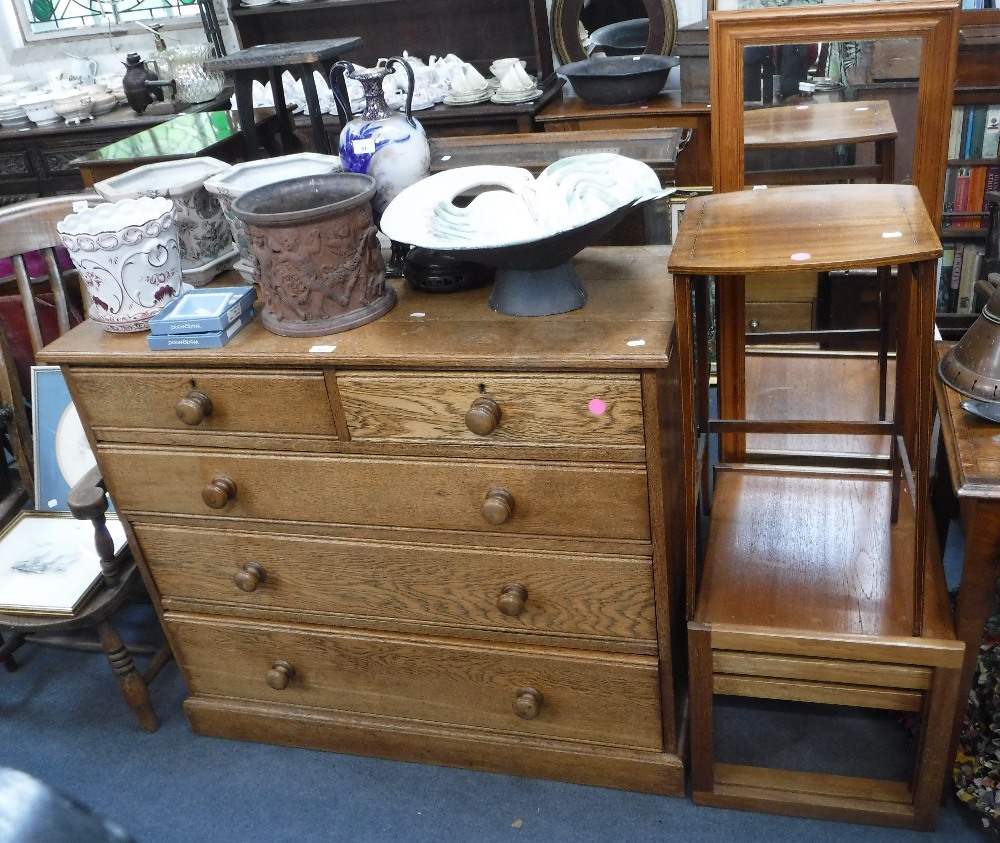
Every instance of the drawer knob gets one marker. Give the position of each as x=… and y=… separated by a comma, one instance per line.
x=527, y=703
x=219, y=492
x=194, y=408
x=755, y=325
x=498, y=506
x=249, y=576
x=512, y=598
x=280, y=674
x=483, y=416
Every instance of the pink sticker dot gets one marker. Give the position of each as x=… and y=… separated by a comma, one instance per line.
x=597, y=406
x=801, y=256
x=801, y=107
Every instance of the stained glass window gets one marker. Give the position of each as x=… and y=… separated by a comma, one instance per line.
x=66, y=17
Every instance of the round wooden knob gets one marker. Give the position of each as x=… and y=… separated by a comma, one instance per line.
x=249, y=576
x=512, y=598
x=527, y=703
x=194, y=407
x=483, y=416
x=280, y=674
x=219, y=492
x=498, y=506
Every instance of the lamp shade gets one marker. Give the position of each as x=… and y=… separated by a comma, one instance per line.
x=972, y=367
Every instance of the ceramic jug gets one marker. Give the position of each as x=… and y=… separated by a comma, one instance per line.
x=82, y=69
x=388, y=145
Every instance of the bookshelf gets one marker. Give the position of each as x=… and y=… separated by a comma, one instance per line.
x=973, y=166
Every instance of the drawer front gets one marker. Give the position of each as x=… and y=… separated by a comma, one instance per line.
x=121, y=404
x=546, y=498
x=765, y=317
x=554, y=593
x=582, y=697
x=529, y=410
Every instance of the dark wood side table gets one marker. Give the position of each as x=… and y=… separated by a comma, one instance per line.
x=972, y=448
x=665, y=111
x=216, y=133
x=274, y=58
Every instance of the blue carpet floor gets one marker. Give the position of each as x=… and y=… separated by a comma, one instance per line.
x=62, y=720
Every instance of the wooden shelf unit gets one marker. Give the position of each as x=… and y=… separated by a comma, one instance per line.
x=815, y=583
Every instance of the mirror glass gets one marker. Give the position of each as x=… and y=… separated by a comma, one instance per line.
x=581, y=28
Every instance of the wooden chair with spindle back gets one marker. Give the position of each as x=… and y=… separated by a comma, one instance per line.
x=41, y=299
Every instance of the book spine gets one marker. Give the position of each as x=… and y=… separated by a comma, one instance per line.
x=956, y=275
x=978, y=130
x=944, y=277
x=977, y=188
x=970, y=274
x=991, y=132
x=962, y=195
x=957, y=113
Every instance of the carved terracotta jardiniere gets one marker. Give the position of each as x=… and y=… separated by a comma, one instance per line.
x=316, y=253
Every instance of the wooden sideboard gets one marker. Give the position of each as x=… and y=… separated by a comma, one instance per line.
x=447, y=536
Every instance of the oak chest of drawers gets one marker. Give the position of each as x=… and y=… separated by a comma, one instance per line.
x=446, y=536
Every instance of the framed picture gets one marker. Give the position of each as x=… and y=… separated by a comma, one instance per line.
x=678, y=200
x=49, y=563
x=62, y=452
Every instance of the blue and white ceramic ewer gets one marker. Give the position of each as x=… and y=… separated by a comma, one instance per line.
x=389, y=146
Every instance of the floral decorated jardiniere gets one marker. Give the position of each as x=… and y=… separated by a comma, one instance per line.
x=128, y=255
x=206, y=242
x=230, y=184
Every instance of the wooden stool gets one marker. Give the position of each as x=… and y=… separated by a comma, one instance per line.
x=814, y=583
x=306, y=56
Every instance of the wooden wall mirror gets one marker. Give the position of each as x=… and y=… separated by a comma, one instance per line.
x=920, y=33
x=567, y=15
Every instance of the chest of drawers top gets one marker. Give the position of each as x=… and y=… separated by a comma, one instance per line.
x=626, y=324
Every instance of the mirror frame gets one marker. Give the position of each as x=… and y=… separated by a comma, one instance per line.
x=565, y=19
x=934, y=21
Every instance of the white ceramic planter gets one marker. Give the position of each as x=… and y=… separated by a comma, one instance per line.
x=128, y=254
x=240, y=178
x=206, y=242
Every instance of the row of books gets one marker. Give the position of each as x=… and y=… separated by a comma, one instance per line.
x=958, y=271
x=975, y=131
x=965, y=194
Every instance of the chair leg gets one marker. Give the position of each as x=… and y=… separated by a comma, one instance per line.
x=8, y=648
x=129, y=679
x=160, y=659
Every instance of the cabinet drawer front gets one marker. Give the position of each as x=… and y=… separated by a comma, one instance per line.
x=121, y=404
x=555, y=593
x=554, y=499
x=532, y=410
x=583, y=697
x=765, y=317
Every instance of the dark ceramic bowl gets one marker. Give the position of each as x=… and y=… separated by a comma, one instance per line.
x=618, y=80
x=624, y=38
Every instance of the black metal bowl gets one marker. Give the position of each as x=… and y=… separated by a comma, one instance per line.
x=623, y=38
x=618, y=80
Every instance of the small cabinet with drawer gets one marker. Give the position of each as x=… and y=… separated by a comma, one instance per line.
x=448, y=536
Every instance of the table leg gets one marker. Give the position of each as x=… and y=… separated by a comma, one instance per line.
x=321, y=143
x=289, y=143
x=243, y=85
x=976, y=594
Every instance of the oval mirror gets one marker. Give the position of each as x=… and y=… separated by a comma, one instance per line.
x=617, y=26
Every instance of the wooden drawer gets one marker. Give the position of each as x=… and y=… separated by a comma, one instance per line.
x=765, y=317
x=566, y=409
x=612, y=700
x=265, y=408
x=549, y=498
x=601, y=597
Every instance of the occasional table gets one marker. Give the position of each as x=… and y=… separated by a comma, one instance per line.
x=972, y=448
x=216, y=133
x=822, y=124
x=306, y=56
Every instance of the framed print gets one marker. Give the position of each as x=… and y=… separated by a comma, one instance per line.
x=49, y=563
x=62, y=452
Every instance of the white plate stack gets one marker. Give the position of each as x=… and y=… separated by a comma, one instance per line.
x=12, y=116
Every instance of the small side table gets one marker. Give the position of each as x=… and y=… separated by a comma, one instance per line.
x=973, y=459
x=823, y=124
x=307, y=56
